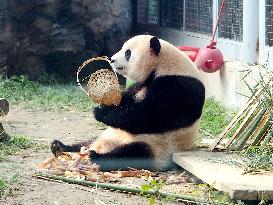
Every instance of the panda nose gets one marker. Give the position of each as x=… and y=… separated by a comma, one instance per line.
x=112, y=60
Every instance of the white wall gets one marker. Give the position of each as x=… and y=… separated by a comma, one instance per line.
x=227, y=86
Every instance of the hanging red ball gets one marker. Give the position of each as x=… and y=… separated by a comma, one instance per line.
x=209, y=59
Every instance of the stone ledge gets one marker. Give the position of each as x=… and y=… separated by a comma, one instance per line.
x=224, y=177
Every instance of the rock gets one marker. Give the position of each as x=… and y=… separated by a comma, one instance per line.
x=4, y=107
x=55, y=36
x=4, y=137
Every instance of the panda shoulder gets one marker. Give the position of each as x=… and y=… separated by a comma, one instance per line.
x=178, y=84
x=176, y=80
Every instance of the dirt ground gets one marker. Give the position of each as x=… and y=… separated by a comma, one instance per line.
x=69, y=127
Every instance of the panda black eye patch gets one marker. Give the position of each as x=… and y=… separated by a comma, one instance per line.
x=128, y=54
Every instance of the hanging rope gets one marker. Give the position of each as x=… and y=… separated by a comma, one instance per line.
x=213, y=43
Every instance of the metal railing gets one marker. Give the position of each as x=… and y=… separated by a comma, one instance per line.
x=269, y=23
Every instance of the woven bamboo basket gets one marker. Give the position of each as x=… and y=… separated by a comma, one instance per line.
x=103, y=85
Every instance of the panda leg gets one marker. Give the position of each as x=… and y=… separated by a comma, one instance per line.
x=136, y=155
x=57, y=147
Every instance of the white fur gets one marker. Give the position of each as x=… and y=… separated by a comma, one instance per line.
x=143, y=61
x=171, y=61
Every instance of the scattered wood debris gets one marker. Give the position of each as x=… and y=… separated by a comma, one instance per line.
x=78, y=166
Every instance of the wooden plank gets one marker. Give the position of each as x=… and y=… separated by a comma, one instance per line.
x=210, y=168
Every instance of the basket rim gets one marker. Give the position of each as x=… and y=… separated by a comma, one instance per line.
x=102, y=58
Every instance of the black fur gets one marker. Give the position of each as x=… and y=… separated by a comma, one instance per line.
x=57, y=147
x=171, y=102
x=155, y=45
x=129, y=95
x=136, y=154
x=128, y=55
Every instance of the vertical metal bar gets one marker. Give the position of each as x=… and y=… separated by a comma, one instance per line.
x=160, y=12
x=214, y=16
x=269, y=23
x=251, y=27
x=262, y=30
x=184, y=15
x=135, y=16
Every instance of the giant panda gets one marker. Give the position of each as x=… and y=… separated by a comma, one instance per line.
x=157, y=116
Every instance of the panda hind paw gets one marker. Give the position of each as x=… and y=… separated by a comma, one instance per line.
x=93, y=155
x=57, y=148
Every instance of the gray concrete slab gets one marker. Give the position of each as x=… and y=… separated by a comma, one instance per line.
x=214, y=168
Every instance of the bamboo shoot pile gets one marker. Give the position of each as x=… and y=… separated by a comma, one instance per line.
x=253, y=125
x=78, y=166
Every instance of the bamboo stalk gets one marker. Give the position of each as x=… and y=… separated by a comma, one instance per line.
x=249, y=130
x=124, y=188
x=243, y=125
x=236, y=119
x=240, y=115
x=261, y=124
x=263, y=130
x=269, y=137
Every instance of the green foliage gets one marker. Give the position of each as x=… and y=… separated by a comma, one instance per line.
x=260, y=158
x=265, y=200
x=20, y=141
x=8, y=186
x=16, y=143
x=155, y=185
x=3, y=185
x=51, y=96
x=129, y=83
x=263, y=82
x=213, y=196
x=17, y=89
x=215, y=117
x=204, y=192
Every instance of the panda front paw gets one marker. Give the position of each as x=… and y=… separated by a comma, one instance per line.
x=103, y=114
x=57, y=148
x=99, y=114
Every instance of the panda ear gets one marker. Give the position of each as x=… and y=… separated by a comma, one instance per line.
x=155, y=45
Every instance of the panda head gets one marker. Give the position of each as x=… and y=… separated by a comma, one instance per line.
x=138, y=57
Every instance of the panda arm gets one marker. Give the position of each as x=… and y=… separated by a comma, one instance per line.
x=128, y=95
x=171, y=102
x=125, y=116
